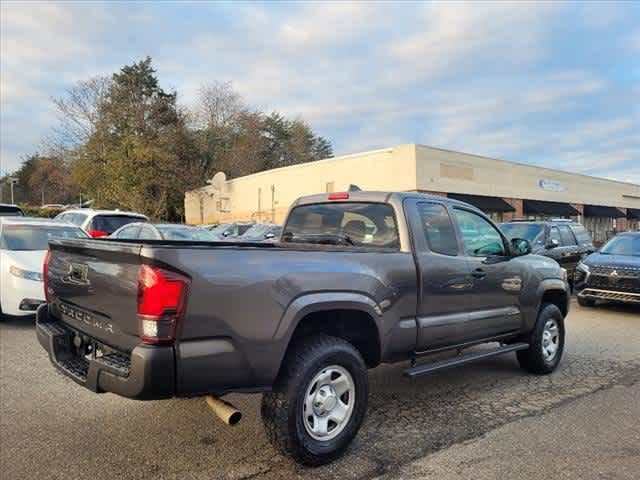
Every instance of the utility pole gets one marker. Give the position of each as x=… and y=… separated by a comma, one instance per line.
x=12, y=182
x=273, y=204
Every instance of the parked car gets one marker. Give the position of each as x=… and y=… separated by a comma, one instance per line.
x=613, y=273
x=163, y=231
x=358, y=279
x=565, y=241
x=228, y=231
x=23, y=244
x=10, y=210
x=100, y=223
x=262, y=232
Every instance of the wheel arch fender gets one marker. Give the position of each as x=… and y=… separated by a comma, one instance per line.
x=311, y=303
x=553, y=290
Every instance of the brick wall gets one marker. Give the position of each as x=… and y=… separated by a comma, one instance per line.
x=622, y=224
x=518, y=205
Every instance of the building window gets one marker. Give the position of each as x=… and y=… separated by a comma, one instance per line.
x=600, y=228
x=495, y=216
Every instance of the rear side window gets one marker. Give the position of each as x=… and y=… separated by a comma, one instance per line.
x=75, y=218
x=129, y=232
x=438, y=228
x=554, y=234
x=582, y=235
x=356, y=224
x=110, y=223
x=568, y=240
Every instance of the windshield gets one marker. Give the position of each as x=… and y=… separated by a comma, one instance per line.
x=344, y=223
x=528, y=231
x=623, y=245
x=32, y=237
x=221, y=229
x=259, y=230
x=110, y=223
x=186, y=234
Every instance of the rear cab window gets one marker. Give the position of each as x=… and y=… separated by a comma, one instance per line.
x=110, y=223
x=357, y=224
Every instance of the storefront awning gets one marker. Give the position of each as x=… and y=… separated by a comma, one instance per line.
x=602, y=212
x=486, y=204
x=633, y=213
x=538, y=207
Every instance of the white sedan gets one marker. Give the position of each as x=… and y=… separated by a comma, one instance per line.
x=23, y=245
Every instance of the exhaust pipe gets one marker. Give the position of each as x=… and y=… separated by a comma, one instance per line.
x=224, y=410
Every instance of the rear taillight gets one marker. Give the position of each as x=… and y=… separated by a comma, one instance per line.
x=339, y=196
x=45, y=275
x=162, y=295
x=98, y=233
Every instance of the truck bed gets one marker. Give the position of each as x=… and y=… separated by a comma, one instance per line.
x=244, y=294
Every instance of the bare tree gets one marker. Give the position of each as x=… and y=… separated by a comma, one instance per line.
x=218, y=104
x=78, y=112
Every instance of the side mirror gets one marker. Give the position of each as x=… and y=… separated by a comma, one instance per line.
x=552, y=243
x=520, y=247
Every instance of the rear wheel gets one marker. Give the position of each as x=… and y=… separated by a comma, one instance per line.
x=319, y=401
x=546, y=342
x=586, y=302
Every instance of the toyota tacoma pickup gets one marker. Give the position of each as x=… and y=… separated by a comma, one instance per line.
x=356, y=279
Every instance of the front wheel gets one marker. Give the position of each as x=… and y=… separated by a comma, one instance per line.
x=319, y=400
x=546, y=342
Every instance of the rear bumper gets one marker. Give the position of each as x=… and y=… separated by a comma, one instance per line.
x=612, y=295
x=145, y=374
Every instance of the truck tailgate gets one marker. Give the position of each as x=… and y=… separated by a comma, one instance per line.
x=93, y=288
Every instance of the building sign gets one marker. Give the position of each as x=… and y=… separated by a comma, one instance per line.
x=551, y=185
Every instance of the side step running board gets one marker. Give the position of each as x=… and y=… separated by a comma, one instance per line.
x=462, y=360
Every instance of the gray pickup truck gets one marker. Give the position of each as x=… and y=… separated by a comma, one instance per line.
x=357, y=279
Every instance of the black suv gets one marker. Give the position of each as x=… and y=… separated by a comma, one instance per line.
x=565, y=241
x=613, y=273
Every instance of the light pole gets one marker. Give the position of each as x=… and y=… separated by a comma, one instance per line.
x=12, y=182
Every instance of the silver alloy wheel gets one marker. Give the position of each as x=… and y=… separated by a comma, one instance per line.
x=328, y=403
x=550, y=340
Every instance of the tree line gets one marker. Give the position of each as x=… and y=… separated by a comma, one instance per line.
x=127, y=143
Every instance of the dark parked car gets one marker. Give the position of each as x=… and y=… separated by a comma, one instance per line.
x=229, y=231
x=358, y=279
x=262, y=232
x=163, y=231
x=10, y=210
x=565, y=241
x=613, y=273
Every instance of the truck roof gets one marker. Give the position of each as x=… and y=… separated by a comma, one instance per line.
x=375, y=196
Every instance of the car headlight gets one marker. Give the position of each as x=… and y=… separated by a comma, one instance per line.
x=564, y=274
x=583, y=267
x=26, y=274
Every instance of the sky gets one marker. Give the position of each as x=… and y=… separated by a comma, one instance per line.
x=555, y=84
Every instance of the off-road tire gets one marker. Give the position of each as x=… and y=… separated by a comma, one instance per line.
x=586, y=302
x=532, y=359
x=282, y=408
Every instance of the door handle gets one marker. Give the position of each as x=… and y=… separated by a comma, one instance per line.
x=478, y=273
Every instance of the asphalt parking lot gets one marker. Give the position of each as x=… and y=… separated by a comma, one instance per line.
x=433, y=426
